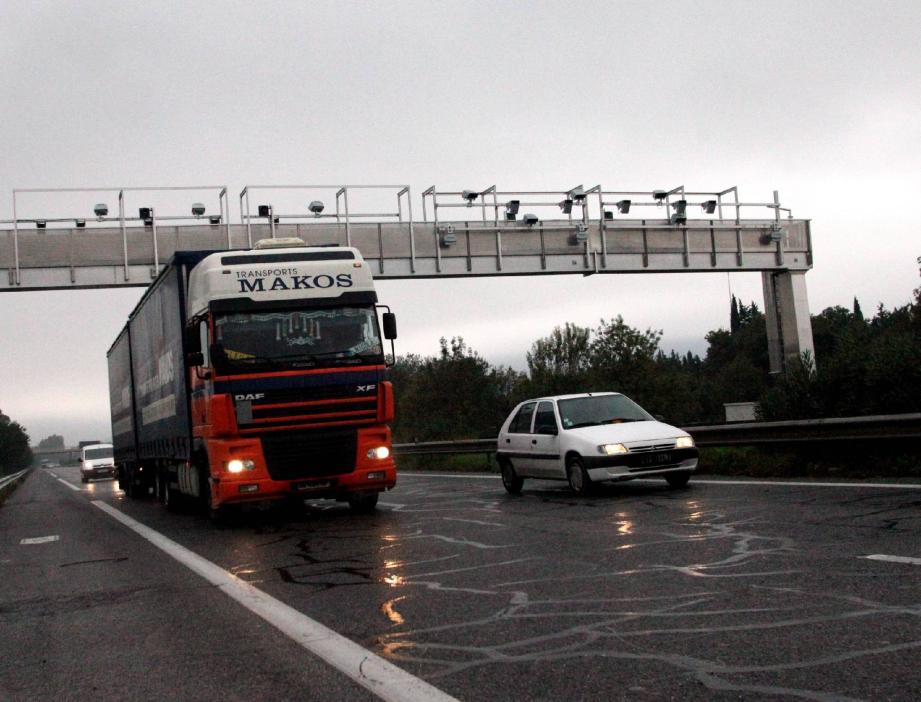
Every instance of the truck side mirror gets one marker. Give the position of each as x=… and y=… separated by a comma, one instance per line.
x=192, y=342
x=390, y=325
x=195, y=358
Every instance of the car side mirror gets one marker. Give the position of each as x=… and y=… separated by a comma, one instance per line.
x=658, y=417
x=550, y=431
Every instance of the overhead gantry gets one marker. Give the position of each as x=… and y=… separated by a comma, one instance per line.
x=465, y=233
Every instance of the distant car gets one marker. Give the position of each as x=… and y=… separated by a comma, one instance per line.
x=96, y=461
x=591, y=438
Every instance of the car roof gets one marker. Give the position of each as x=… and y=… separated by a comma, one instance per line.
x=570, y=397
x=92, y=446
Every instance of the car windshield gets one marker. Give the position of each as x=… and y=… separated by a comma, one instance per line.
x=297, y=338
x=600, y=409
x=95, y=453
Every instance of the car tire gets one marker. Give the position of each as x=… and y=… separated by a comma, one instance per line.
x=511, y=481
x=678, y=480
x=578, y=478
x=363, y=502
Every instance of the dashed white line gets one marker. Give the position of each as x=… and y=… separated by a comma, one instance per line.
x=369, y=670
x=39, y=540
x=893, y=559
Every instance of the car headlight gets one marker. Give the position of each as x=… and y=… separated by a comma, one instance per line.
x=238, y=465
x=684, y=442
x=379, y=452
x=612, y=449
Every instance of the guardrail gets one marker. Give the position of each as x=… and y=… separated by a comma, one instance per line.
x=889, y=426
x=6, y=480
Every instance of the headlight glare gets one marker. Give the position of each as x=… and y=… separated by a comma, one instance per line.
x=684, y=442
x=379, y=452
x=612, y=449
x=238, y=465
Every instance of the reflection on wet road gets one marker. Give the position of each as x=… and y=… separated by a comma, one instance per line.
x=714, y=592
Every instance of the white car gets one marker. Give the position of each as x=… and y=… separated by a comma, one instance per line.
x=96, y=461
x=591, y=438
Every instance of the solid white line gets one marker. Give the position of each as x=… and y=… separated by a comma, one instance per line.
x=781, y=483
x=364, y=667
x=70, y=485
x=893, y=559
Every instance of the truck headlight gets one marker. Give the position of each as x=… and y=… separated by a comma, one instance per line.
x=238, y=465
x=612, y=449
x=379, y=452
x=684, y=442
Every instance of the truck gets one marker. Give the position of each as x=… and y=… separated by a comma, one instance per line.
x=255, y=375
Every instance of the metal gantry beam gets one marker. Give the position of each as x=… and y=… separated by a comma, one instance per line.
x=462, y=233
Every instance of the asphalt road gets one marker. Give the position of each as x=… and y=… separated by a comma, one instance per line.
x=720, y=591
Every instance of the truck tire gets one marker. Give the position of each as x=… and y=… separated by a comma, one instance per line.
x=363, y=502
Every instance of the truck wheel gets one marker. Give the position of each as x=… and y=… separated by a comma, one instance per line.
x=363, y=502
x=511, y=481
x=172, y=498
x=579, y=481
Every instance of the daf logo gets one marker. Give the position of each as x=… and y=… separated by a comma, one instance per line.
x=250, y=396
x=365, y=388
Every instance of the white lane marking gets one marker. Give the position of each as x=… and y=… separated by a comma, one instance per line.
x=893, y=559
x=39, y=540
x=364, y=667
x=53, y=475
x=70, y=485
x=782, y=483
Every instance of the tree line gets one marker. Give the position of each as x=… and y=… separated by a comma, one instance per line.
x=15, y=453
x=866, y=365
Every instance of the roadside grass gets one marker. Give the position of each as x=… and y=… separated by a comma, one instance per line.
x=854, y=459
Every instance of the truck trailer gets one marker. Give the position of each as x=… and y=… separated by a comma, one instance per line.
x=255, y=375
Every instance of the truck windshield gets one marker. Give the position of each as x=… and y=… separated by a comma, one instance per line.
x=600, y=409
x=95, y=453
x=297, y=338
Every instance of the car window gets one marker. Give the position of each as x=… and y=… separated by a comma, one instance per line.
x=600, y=409
x=545, y=419
x=521, y=424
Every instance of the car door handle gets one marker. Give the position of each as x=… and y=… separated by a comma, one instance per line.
x=508, y=441
x=533, y=441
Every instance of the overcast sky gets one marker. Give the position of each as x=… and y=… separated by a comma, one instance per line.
x=819, y=100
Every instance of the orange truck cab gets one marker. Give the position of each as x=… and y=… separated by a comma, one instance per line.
x=255, y=375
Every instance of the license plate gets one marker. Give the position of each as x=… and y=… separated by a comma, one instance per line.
x=656, y=458
x=321, y=485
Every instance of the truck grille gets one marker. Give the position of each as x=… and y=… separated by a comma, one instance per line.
x=293, y=455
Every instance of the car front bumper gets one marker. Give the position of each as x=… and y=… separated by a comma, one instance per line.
x=640, y=465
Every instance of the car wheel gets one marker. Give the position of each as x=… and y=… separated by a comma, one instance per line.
x=511, y=481
x=678, y=480
x=363, y=502
x=579, y=481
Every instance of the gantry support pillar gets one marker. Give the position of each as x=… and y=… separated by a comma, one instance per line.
x=789, y=326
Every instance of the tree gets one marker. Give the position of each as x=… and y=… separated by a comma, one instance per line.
x=623, y=358
x=559, y=363
x=55, y=441
x=734, y=316
x=15, y=453
x=858, y=313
